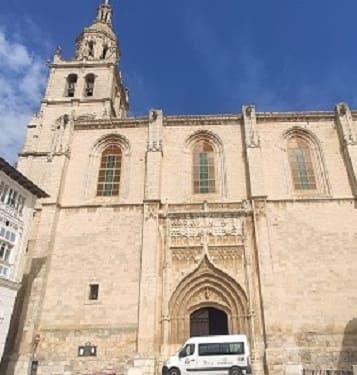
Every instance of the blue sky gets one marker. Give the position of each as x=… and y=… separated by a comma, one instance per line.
x=188, y=56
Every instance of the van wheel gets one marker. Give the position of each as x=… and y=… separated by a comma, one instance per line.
x=235, y=371
x=174, y=371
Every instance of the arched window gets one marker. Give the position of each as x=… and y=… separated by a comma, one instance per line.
x=109, y=171
x=204, y=176
x=71, y=85
x=301, y=164
x=89, y=85
x=91, y=49
x=105, y=52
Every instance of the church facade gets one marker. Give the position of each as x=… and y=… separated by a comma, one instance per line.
x=159, y=228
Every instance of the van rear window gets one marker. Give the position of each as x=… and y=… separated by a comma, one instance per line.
x=221, y=348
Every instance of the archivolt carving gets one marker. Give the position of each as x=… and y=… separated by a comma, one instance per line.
x=206, y=135
x=109, y=139
x=206, y=286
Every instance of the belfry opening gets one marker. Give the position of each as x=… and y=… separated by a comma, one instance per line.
x=208, y=321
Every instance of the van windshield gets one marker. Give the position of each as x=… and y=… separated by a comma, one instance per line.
x=221, y=348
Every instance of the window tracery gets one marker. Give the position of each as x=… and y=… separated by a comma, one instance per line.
x=306, y=164
x=301, y=164
x=204, y=175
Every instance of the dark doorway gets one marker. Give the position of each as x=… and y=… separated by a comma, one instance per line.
x=208, y=321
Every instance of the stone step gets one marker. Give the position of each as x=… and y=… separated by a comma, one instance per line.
x=142, y=366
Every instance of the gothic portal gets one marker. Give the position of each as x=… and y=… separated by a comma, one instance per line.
x=161, y=227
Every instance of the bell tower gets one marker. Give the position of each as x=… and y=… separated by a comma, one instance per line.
x=91, y=82
x=88, y=86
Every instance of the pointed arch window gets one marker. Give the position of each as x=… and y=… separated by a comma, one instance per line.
x=301, y=164
x=71, y=85
x=109, y=171
x=89, y=85
x=204, y=174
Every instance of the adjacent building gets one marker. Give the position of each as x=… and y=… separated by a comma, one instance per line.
x=17, y=201
x=162, y=227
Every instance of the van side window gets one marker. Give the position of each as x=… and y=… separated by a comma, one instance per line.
x=221, y=349
x=189, y=349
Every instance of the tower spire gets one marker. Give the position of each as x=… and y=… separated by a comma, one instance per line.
x=105, y=13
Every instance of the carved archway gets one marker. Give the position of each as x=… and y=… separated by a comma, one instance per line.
x=207, y=287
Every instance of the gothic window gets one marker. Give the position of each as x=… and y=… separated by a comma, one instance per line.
x=109, y=171
x=204, y=180
x=71, y=85
x=89, y=85
x=301, y=164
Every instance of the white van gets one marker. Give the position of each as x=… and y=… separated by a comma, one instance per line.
x=211, y=355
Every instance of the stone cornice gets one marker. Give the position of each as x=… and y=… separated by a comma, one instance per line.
x=133, y=122
x=312, y=199
x=189, y=120
x=82, y=64
x=203, y=120
x=93, y=205
x=295, y=116
x=74, y=100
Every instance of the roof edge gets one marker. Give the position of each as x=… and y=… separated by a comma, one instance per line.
x=21, y=179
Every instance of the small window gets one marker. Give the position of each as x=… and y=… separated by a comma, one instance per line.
x=4, y=271
x=11, y=198
x=71, y=85
x=21, y=206
x=93, y=292
x=89, y=85
x=4, y=193
x=4, y=252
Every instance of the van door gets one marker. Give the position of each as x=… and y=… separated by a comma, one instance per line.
x=188, y=358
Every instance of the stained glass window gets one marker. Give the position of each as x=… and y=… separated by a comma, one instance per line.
x=109, y=172
x=204, y=180
x=301, y=164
